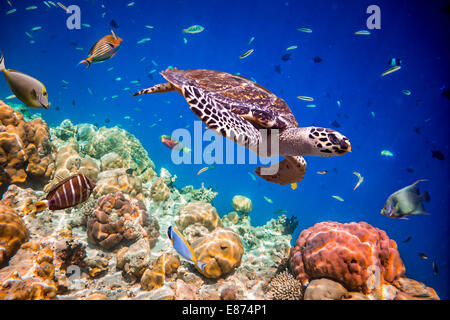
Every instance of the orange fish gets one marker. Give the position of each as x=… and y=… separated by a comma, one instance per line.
x=103, y=49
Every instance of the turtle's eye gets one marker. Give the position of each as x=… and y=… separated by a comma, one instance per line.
x=45, y=94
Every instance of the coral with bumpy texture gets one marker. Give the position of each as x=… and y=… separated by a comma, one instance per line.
x=324, y=289
x=242, y=204
x=201, y=213
x=284, y=287
x=350, y=253
x=118, y=217
x=118, y=180
x=25, y=149
x=221, y=251
x=13, y=233
x=155, y=275
x=159, y=191
x=134, y=259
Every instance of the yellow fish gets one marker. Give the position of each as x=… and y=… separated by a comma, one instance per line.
x=293, y=186
x=338, y=198
x=390, y=70
x=26, y=88
x=360, y=179
x=202, y=170
x=363, y=32
x=305, y=98
x=194, y=29
x=246, y=54
x=322, y=172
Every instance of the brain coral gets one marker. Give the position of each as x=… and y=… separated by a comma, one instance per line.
x=197, y=212
x=25, y=149
x=13, y=233
x=221, y=250
x=118, y=180
x=351, y=253
x=118, y=217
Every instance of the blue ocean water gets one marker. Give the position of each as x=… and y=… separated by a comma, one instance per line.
x=373, y=113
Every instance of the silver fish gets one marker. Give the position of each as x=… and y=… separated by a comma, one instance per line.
x=405, y=202
x=26, y=88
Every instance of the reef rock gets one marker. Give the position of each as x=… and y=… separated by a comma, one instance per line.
x=13, y=233
x=25, y=149
x=159, y=191
x=198, y=213
x=111, y=161
x=353, y=254
x=134, y=259
x=242, y=204
x=203, y=194
x=117, y=218
x=221, y=250
x=118, y=180
x=411, y=289
x=324, y=289
x=155, y=276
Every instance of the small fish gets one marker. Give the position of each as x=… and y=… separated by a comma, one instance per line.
x=307, y=30
x=311, y=106
x=293, y=186
x=69, y=192
x=373, y=114
x=363, y=32
x=305, y=98
x=407, y=239
x=338, y=103
x=423, y=255
x=144, y=40
x=114, y=24
x=251, y=40
x=410, y=170
x=73, y=102
x=291, y=48
x=278, y=69
x=184, y=40
x=268, y=199
x=435, y=268
x=171, y=143
x=417, y=130
x=390, y=70
x=445, y=92
x=387, y=153
x=202, y=170
x=86, y=25
x=252, y=176
x=286, y=57
x=60, y=5
x=11, y=11
x=129, y=171
x=90, y=91
x=46, y=3
x=406, y=201
x=317, y=59
x=322, y=172
x=437, y=154
x=183, y=247
x=395, y=62
x=336, y=124
x=26, y=88
x=31, y=8
x=279, y=211
x=130, y=4
x=406, y=92
x=246, y=54
x=194, y=29
x=103, y=49
x=10, y=97
x=107, y=120
x=28, y=34
x=149, y=27
x=36, y=28
x=360, y=179
x=338, y=198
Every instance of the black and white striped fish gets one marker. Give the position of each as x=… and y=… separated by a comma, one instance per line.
x=67, y=193
x=103, y=49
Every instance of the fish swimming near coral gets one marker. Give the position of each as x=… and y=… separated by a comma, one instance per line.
x=103, y=49
x=405, y=202
x=183, y=247
x=26, y=88
x=68, y=193
x=171, y=143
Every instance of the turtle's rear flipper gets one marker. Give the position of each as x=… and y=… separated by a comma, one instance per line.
x=159, y=88
x=290, y=170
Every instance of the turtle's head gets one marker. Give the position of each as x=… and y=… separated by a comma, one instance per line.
x=313, y=141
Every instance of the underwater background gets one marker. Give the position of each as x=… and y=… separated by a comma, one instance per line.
x=372, y=110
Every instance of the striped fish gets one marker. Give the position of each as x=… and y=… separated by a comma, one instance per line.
x=67, y=193
x=103, y=49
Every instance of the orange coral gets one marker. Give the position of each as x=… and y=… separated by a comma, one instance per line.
x=352, y=253
x=197, y=212
x=221, y=250
x=25, y=149
x=117, y=217
x=13, y=233
x=155, y=275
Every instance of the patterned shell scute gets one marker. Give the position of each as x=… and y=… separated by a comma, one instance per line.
x=241, y=96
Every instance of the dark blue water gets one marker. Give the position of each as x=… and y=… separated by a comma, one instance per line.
x=350, y=72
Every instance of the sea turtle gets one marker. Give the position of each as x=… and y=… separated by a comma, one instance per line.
x=238, y=108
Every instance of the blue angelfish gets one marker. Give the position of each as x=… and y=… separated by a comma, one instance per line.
x=183, y=247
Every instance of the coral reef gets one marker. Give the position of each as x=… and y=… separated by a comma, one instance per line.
x=284, y=286
x=350, y=253
x=118, y=180
x=155, y=276
x=134, y=259
x=324, y=289
x=221, y=251
x=13, y=233
x=25, y=149
x=198, y=213
x=118, y=217
x=203, y=194
x=159, y=191
x=242, y=204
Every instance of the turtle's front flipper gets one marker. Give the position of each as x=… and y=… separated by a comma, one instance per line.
x=160, y=88
x=290, y=170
